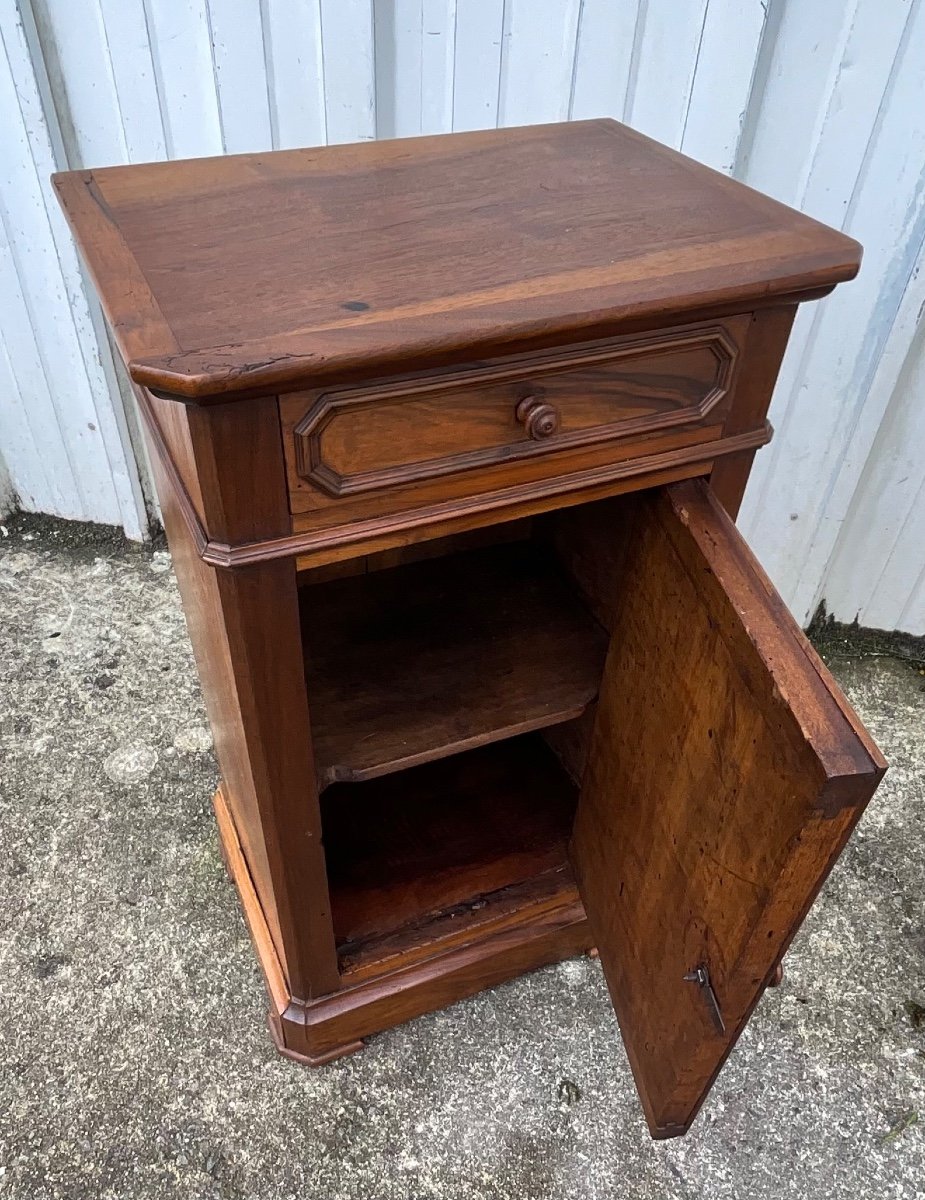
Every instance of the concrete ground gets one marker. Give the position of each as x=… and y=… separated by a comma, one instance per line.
x=135, y=1057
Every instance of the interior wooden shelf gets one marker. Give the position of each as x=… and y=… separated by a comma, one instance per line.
x=420, y=661
x=426, y=854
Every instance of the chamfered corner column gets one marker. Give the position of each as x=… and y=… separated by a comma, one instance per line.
x=220, y=477
x=765, y=344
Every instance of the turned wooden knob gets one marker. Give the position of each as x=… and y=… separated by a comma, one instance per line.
x=539, y=419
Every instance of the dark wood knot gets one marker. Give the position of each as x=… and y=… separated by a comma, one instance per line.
x=540, y=420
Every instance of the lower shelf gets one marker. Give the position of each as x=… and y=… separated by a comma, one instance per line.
x=526, y=933
x=425, y=856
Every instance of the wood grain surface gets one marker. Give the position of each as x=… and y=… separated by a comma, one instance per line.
x=471, y=243
x=429, y=338
x=244, y=627
x=426, y=660
x=725, y=774
x=404, y=849
x=363, y=439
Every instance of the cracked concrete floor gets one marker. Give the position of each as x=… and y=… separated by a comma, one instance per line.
x=135, y=1057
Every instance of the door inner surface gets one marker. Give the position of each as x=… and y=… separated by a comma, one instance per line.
x=725, y=774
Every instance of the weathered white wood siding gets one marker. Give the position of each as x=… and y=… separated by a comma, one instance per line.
x=63, y=433
x=821, y=104
x=839, y=131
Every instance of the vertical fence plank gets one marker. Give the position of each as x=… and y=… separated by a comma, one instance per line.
x=102, y=81
x=74, y=42
x=824, y=411
x=477, y=63
x=874, y=565
x=803, y=71
x=438, y=56
x=665, y=58
x=39, y=467
x=912, y=617
x=538, y=60
x=349, y=70
x=891, y=513
x=182, y=45
x=236, y=28
x=131, y=62
x=722, y=81
x=603, y=58
x=8, y=498
x=295, y=72
x=60, y=389
x=398, y=67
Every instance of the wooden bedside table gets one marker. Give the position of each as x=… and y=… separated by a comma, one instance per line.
x=447, y=435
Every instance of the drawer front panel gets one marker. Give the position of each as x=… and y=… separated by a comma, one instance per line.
x=388, y=445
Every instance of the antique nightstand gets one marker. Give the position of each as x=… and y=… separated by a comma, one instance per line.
x=448, y=436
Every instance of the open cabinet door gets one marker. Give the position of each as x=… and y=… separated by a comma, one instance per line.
x=726, y=772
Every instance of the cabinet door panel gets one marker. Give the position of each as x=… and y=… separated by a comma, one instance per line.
x=725, y=775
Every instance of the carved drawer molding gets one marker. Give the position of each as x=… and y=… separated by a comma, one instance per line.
x=359, y=439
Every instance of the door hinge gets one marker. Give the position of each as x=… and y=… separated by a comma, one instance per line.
x=701, y=976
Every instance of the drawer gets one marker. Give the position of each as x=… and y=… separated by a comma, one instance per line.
x=395, y=445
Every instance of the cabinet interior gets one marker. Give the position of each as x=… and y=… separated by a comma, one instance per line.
x=452, y=687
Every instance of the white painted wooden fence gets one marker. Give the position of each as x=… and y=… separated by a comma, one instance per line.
x=818, y=102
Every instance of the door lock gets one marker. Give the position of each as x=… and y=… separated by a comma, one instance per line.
x=701, y=976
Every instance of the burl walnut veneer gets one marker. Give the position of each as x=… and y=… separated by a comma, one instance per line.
x=449, y=435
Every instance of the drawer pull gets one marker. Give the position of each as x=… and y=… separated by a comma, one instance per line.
x=539, y=419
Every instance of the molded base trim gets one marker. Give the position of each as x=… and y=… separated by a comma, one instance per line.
x=321, y=1030
x=308, y=1060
